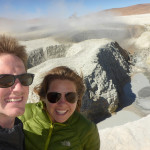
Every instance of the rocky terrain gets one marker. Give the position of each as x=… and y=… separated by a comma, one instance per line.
x=103, y=62
x=114, y=56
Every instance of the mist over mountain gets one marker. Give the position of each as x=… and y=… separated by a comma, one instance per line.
x=104, y=24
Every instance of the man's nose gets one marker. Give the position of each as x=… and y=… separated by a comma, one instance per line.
x=17, y=85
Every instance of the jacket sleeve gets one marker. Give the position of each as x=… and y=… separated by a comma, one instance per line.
x=92, y=139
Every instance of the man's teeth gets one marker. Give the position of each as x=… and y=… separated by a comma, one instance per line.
x=61, y=112
x=13, y=100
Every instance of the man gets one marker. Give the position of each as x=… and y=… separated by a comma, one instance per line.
x=14, y=89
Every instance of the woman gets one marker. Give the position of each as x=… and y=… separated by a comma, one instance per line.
x=55, y=123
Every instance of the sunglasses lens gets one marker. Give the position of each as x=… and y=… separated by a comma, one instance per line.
x=26, y=79
x=6, y=81
x=71, y=97
x=53, y=97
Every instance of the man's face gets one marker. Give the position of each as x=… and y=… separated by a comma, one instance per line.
x=12, y=99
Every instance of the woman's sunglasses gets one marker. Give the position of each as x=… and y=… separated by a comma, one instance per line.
x=7, y=80
x=54, y=97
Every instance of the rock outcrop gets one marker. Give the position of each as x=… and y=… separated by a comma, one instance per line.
x=39, y=55
x=35, y=57
x=105, y=67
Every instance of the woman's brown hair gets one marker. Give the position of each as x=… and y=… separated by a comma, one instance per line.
x=61, y=73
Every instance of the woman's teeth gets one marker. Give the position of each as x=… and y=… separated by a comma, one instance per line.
x=61, y=112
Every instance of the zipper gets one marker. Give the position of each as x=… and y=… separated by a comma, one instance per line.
x=49, y=137
x=50, y=131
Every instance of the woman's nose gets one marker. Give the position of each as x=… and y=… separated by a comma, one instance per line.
x=62, y=99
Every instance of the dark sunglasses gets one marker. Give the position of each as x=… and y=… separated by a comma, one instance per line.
x=7, y=80
x=54, y=97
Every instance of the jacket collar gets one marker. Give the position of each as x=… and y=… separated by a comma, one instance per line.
x=45, y=115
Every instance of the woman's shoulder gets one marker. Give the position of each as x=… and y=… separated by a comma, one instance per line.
x=31, y=110
x=83, y=127
x=82, y=121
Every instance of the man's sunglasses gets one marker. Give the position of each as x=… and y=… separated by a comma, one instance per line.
x=54, y=97
x=7, y=80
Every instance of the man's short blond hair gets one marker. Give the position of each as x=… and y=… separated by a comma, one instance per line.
x=9, y=45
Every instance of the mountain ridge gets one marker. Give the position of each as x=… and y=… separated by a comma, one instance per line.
x=131, y=10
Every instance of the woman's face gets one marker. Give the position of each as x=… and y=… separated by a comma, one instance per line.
x=61, y=110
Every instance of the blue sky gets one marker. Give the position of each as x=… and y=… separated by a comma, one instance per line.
x=64, y=8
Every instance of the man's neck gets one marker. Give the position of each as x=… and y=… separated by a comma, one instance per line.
x=7, y=122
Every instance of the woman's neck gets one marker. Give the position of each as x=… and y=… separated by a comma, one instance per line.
x=7, y=122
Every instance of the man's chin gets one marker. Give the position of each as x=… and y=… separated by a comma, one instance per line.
x=17, y=112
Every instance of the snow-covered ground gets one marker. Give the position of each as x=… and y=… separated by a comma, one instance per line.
x=119, y=118
x=130, y=136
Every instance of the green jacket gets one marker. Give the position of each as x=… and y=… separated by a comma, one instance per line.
x=77, y=133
